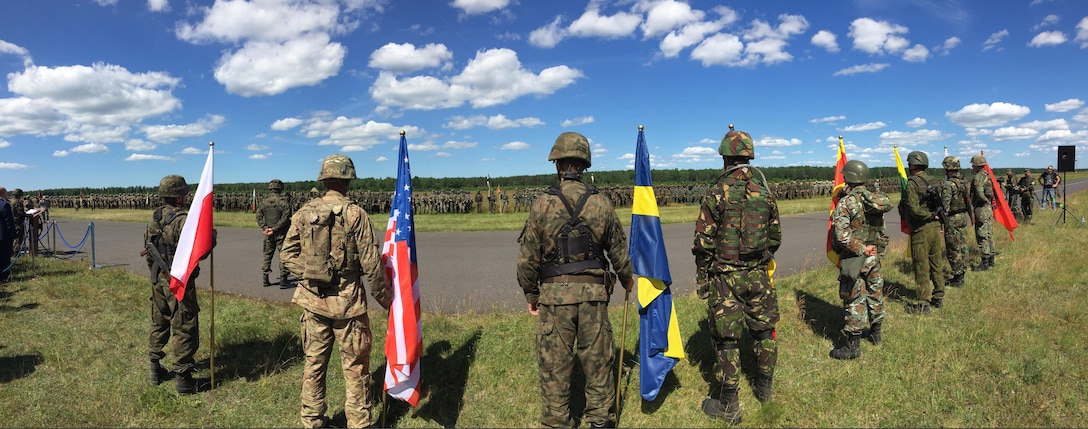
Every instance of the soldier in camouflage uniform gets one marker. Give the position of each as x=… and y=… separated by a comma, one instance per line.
x=956, y=201
x=1026, y=186
x=858, y=228
x=336, y=308
x=736, y=235
x=983, y=200
x=274, y=217
x=567, y=283
x=926, y=241
x=1012, y=194
x=18, y=211
x=168, y=314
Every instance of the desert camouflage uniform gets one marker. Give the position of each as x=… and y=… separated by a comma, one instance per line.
x=858, y=221
x=273, y=212
x=926, y=241
x=573, y=312
x=342, y=316
x=954, y=195
x=982, y=197
x=167, y=313
x=738, y=287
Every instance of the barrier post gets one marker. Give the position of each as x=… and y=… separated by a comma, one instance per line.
x=93, y=263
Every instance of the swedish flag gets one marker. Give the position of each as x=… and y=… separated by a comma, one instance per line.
x=659, y=333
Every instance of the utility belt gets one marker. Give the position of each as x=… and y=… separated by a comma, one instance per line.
x=571, y=278
x=956, y=212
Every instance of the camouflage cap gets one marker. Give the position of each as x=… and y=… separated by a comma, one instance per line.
x=978, y=160
x=275, y=184
x=571, y=145
x=951, y=163
x=337, y=166
x=173, y=186
x=737, y=143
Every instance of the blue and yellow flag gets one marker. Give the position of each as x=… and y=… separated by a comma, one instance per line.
x=659, y=333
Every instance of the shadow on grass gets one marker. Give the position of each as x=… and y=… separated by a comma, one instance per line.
x=895, y=291
x=442, y=385
x=5, y=296
x=821, y=317
x=16, y=367
x=254, y=359
x=702, y=353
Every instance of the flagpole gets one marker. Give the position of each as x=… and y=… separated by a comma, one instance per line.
x=211, y=283
x=623, y=343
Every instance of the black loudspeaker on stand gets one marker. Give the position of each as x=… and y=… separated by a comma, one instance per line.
x=1067, y=161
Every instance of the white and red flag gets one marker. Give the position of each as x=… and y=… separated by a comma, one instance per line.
x=196, y=235
x=404, y=336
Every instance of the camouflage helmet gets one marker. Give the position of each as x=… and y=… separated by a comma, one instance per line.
x=855, y=172
x=275, y=185
x=337, y=166
x=173, y=186
x=737, y=143
x=571, y=145
x=17, y=192
x=978, y=160
x=918, y=158
x=951, y=163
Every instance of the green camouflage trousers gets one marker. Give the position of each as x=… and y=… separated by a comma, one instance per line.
x=927, y=262
x=168, y=315
x=863, y=297
x=563, y=332
x=272, y=245
x=736, y=299
x=984, y=230
x=354, y=338
x=1027, y=205
x=955, y=242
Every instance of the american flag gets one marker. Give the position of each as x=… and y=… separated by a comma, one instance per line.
x=404, y=337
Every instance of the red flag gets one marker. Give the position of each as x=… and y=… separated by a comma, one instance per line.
x=404, y=335
x=837, y=185
x=196, y=235
x=1002, y=212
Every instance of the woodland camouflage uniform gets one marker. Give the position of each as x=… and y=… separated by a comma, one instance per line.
x=955, y=198
x=274, y=212
x=982, y=199
x=1026, y=186
x=926, y=240
x=858, y=222
x=736, y=235
x=573, y=307
x=337, y=310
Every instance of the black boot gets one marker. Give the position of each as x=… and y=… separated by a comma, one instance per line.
x=956, y=281
x=727, y=408
x=984, y=264
x=284, y=284
x=265, y=281
x=158, y=373
x=608, y=424
x=990, y=262
x=936, y=302
x=185, y=384
x=762, y=387
x=850, y=350
x=874, y=334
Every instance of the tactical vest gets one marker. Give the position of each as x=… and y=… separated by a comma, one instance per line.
x=958, y=190
x=575, y=250
x=744, y=236
x=160, y=256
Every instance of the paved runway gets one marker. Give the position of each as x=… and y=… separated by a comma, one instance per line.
x=458, y=271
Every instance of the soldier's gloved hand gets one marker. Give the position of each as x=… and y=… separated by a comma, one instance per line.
x=630, y=284
x=702, y=282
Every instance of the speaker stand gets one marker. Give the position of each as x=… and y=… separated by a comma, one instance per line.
x=1061, y=216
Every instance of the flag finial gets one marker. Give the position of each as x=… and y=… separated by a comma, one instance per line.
x=640, y=127
x=402, y=132
x=730, y=127
x=211, y=144
x=840, y=136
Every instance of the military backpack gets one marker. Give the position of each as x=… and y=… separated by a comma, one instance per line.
x=327, y=252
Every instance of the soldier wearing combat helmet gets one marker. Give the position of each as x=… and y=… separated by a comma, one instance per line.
x=982, y=201
x=922, y=205
x=274, y=217
x=736, y=235
x=955, y=198
x=170, y=315
x=567, y=272
x=339, y=250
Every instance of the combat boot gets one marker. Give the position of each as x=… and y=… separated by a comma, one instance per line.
x=762, y=387
x=984, y=264
x=936, y=302
x=874, y=334
x=956, y=281
x=607, y=424
x=185, y=384
x=850, y=350
x=158, y=373
x=284, y=284
x=727, y=408
x=990, y=261
x=265, y=281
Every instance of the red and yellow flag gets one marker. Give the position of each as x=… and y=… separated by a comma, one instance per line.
x=837, y=185
x=1002, y=212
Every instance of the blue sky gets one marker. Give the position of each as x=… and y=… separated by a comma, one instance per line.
x=121, y=92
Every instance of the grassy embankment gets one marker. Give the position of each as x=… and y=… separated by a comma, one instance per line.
x=1007, y=350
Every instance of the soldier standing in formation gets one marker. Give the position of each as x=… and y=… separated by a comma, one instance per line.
x=333, y=297
x=567, y=282
x=926, y=240
x=169, y=315
x=1012, y=194
x=858, y=222
x=956, y=200
x=274, y=217
x=736, y=235
x=1026, y=186
x=18, y=211
x=479, y=202
x=982, y=199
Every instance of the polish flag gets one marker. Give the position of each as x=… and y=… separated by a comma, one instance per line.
x=196, y=235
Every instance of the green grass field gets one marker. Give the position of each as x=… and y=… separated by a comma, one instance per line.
x=1008, y=350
